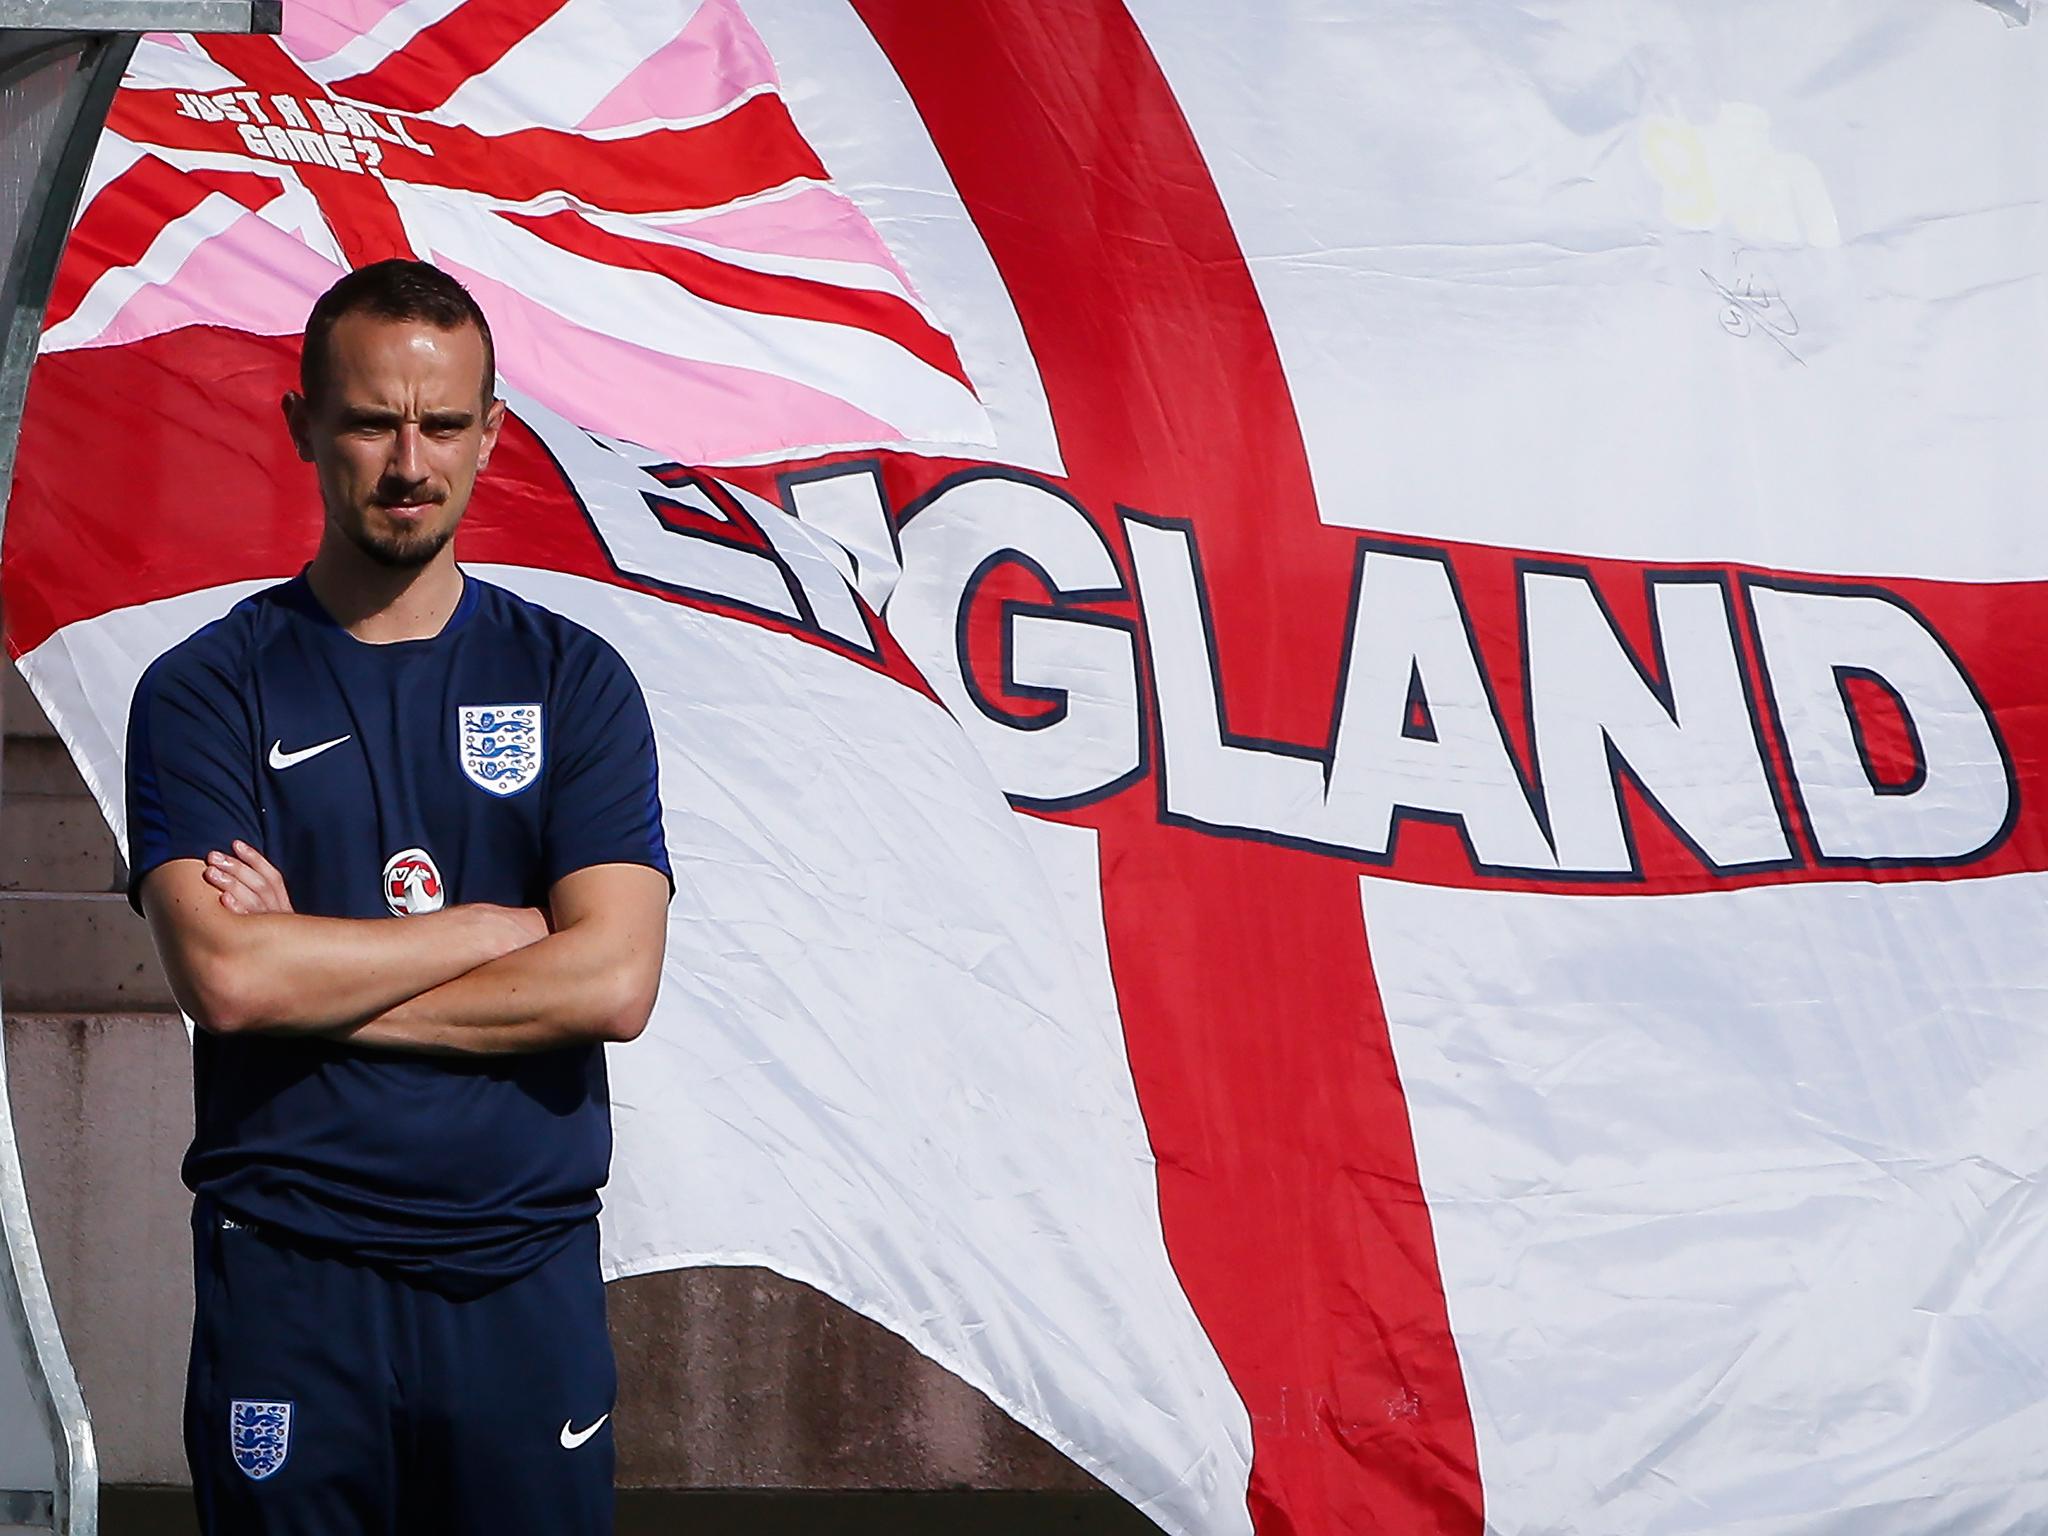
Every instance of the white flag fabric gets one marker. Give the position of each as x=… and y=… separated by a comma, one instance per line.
x=1349, y=695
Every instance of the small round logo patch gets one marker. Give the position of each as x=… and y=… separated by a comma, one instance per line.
x=412, y=884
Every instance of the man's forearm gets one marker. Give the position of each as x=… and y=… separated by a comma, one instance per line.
x=310, y=974
x=286, y=973
x=571, y=988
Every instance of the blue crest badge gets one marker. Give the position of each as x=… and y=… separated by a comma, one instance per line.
x=260, y=1435
x=500, y=745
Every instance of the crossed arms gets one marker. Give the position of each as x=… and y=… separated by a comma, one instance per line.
x=467, y=980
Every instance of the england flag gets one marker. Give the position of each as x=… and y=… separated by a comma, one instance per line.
x=1350, y=695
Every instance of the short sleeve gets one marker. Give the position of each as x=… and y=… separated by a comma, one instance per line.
x=191, y=768
x=604, y=794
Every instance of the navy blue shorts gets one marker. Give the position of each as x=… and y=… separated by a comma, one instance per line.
x=328, y=1398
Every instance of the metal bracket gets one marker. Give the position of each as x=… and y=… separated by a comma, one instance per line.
x=140, y=16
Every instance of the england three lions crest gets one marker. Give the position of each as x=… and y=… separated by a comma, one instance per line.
x=500, y=745
x=260, y=1435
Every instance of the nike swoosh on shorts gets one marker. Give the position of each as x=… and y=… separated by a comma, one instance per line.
x=572, y=1439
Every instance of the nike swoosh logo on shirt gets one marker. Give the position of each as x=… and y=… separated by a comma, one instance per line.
x=573, y=1438
x=279, y=758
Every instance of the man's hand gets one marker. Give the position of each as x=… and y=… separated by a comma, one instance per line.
x=247, y=881
x=250, y=884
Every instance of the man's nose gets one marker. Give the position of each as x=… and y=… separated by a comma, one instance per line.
x=408, y=456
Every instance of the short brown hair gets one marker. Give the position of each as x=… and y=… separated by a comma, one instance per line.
x=397, y=289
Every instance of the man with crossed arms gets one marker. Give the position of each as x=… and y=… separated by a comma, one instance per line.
x=398, y=838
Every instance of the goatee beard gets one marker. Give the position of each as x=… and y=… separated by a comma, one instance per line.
x=401, y=554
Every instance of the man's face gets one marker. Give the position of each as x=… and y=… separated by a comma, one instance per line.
x=398, y=434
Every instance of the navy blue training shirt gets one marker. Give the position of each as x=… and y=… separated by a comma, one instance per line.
x=480, y=765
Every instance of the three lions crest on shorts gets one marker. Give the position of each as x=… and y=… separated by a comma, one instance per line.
x=500, y=745
x=260, y=1435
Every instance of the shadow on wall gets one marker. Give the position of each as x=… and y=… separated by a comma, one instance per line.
x=168, y=1512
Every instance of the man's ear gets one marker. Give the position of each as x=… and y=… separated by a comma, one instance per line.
x=494, y=418
x=298, y=422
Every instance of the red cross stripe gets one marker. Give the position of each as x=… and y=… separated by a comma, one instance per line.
x=1709, y=727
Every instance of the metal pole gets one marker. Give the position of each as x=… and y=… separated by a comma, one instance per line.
x=25, y=1293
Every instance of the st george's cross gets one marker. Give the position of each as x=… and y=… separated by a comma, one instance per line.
x=1398, y=910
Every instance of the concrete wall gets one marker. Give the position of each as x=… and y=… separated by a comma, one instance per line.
x=730, y=1379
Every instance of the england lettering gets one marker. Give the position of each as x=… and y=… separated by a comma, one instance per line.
x=1096, y=664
